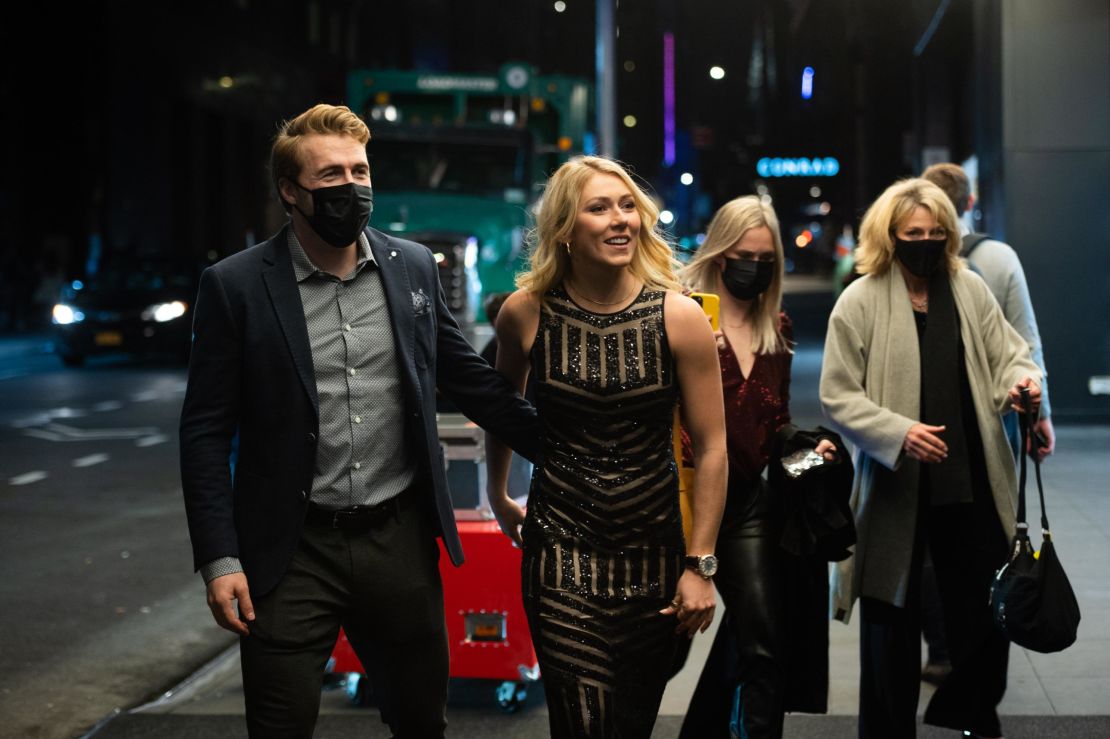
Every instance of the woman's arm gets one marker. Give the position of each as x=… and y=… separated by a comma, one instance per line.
x=878, y=431
x=1008, y=353
x=699, y=378
x=516, y=329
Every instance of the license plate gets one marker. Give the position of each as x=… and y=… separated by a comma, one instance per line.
x=108, y=338
x=484, y=627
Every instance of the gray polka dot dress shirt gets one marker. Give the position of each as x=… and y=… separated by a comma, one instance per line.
x=360, y=455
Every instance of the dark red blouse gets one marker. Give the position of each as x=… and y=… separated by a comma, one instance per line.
x=756, y=407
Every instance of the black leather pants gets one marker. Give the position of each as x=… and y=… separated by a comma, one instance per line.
x=750, y=581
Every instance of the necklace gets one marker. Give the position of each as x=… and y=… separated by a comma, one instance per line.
x=920, y=304
x=599, y=302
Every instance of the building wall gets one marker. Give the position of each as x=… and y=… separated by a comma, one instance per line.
x=1056, y=181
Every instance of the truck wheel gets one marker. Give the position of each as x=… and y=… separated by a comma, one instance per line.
x=511, y=695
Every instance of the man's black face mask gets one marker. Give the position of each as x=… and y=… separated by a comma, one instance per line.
x=339, y=213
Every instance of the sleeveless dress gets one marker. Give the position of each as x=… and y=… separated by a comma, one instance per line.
x=603, y=545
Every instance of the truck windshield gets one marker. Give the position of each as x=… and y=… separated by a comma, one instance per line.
x=465, y=164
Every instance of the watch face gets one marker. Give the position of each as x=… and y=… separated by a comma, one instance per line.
x=708, y=566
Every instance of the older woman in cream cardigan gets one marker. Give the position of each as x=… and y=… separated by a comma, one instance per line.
x=919, y=362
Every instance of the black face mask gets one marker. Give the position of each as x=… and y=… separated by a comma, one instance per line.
x=339, y=213
x=746, y=279
x=921, y=257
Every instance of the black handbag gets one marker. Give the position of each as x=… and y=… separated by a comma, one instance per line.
x=1031, y=599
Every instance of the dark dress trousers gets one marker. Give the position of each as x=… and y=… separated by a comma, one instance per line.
x=251, y=371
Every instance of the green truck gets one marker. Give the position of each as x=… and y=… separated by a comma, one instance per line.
x=458, y=160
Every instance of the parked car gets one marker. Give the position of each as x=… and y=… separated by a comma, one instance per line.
x=138, y=306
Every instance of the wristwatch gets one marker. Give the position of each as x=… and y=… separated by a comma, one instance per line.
x=703, y=564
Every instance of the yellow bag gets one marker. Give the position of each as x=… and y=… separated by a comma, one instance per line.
x=711, y=304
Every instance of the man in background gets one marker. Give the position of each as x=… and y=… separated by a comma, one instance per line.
x=998, y=264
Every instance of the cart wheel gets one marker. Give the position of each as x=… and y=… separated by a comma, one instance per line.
x=511, y=695
x=359, y=690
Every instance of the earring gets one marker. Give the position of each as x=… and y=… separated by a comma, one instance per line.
x=567, y=245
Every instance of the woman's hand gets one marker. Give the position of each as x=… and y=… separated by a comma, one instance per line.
x=1034, y=396
x=826, y=449
x=923, y=444
x=510, y=517
x=694, y=604
x=1048, y=438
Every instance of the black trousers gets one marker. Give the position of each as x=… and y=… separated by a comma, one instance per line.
x=967, y=545
x=750, y=579
x=382, y=586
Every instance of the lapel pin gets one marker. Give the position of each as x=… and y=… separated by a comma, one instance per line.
x=392, y=254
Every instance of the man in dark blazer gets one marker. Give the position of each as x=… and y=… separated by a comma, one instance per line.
x=322, y=348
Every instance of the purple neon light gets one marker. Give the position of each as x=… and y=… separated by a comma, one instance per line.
x=668, y=99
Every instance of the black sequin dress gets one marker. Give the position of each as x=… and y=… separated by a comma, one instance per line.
x=603, y=542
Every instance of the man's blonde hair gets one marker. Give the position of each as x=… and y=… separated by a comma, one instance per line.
x=320, y=119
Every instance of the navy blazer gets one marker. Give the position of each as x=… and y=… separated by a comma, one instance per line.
x=251, y=371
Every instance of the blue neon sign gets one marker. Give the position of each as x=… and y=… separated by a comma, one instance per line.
x=797, y=167
x=807, y=83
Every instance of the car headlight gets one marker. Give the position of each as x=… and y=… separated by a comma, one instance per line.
x=63, y=315
x=162, y=312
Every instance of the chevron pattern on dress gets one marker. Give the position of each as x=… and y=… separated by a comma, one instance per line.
x=603, y=541
x=598, y=656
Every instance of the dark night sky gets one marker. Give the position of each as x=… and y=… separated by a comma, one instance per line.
x=118, y=102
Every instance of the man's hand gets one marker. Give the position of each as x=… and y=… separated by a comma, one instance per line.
x=923, y=444
x=222, y=592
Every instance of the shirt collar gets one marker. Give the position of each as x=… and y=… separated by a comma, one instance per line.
x=303, y=268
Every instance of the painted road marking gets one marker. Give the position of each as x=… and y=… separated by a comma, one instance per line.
x=108, y=405
x=90, y=460
x=152, y=440
x=146, y=395
x=27, y=478
x=61, y=432
x=43, y=417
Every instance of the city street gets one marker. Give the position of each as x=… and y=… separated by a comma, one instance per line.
x=101, y=606
x=105, y=629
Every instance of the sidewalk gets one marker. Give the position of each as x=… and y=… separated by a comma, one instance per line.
x=1058, y=695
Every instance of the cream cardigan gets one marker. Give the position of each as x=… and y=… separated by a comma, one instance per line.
x=870, y=392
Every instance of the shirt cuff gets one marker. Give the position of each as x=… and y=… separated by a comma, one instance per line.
x=219, y=568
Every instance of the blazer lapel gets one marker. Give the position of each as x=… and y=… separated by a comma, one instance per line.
x=281, y=284
x=398, y=297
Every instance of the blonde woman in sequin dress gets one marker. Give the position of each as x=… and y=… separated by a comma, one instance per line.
x=601, y=323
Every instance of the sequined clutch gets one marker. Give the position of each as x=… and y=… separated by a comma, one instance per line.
x=797, y=463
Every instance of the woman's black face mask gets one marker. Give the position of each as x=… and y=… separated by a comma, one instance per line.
x=745, y=279
x=921, y=257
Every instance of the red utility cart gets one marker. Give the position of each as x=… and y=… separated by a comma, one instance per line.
x=486, y=626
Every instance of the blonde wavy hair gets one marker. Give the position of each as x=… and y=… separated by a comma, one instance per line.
x=321, y=119
x=734, y=219
x=875, y=252
x=653, y=260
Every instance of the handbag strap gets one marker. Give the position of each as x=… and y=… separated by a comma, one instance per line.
x=1028, y=435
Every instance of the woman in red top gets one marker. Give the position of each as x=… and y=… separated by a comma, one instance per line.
x=741, y=260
